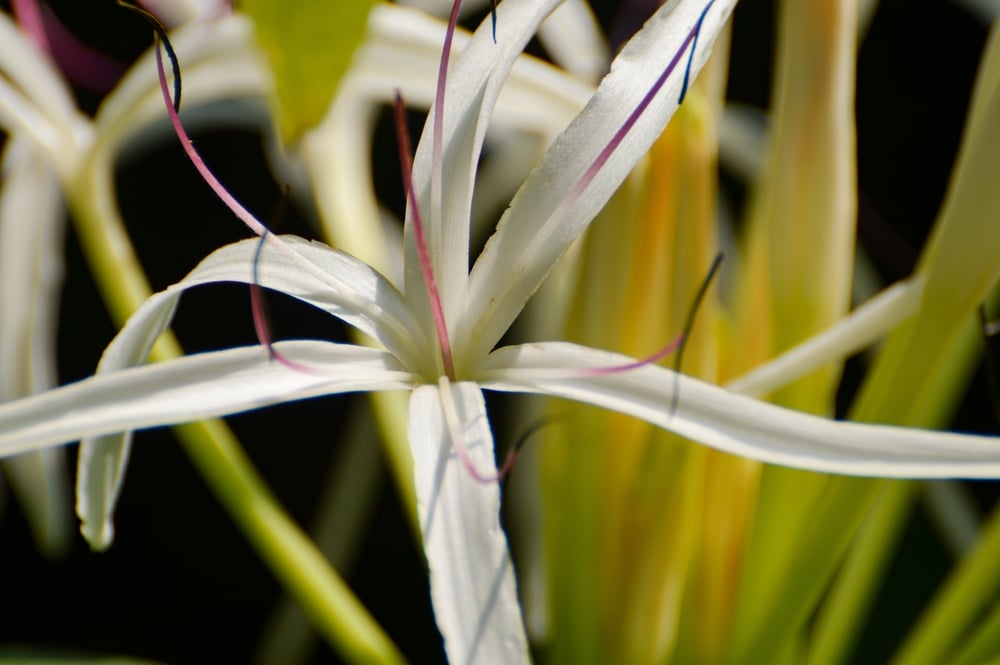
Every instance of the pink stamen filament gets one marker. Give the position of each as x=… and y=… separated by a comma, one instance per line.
x=228, y=199
x=627, y=367
x=29, y=16
x=452, y=420
x=426, y=268
x=206, y=173
x=257, y=304
x=261, y=320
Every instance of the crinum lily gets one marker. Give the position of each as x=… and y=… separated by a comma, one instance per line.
x=436, y=336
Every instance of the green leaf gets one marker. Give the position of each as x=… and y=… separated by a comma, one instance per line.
x=309, y=49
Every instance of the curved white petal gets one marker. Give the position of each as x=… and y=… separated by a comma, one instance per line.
x=191, y=388
x=352, y=291
x=863, y=327
x=472, y=579
x=740, y=425
x=550, y=211
x=336, y=283
x=474, y=82
x=402, y=52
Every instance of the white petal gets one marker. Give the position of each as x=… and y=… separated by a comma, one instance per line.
x=100, y=473
x=863, y=327
x=29, y=71
x=332, y=281
x=191, y=388
x=740, y=425
x=20, y=116
x=474, y=82
x=547, y=215
x=472, y=580
x=32, y=224
x=356, y=293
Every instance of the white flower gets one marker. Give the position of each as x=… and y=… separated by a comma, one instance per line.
x=439, y=343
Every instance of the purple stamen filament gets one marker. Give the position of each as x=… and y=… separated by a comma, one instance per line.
x=426, y=268
x=457, y=435
x=616, y=140
x=261, y=325
x=206, y=173
x=627, y=367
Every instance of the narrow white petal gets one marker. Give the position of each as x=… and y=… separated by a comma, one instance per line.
x=739, y=425
x=32, y=221
x=472, y=579
x=549, y=212
x=856, y=332
x=20, y=116
x=31, y=72
x=191, y=388
x=102, y=460
x=346, y=288
x=474, y=82
x=100, y=473
x=32, y=224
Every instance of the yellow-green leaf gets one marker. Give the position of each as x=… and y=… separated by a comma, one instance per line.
x=309, y=45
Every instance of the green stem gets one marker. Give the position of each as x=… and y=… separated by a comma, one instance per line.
x=337, y=614
x=837, y=626
x=984, y=645
x=969, y=589
x=844, y=502
x=334, y=610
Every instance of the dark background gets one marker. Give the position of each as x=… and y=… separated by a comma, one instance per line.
x=180, y=583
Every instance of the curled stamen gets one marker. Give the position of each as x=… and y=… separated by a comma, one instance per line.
x=206, y=173
x=694, y=47
x=456, y=432
x=493, y=19
x=519, y=443
x=678, y=344
x=699, y=297
x=433, y=295
x=160, y=36
x=258, y=304
x=261, y=319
